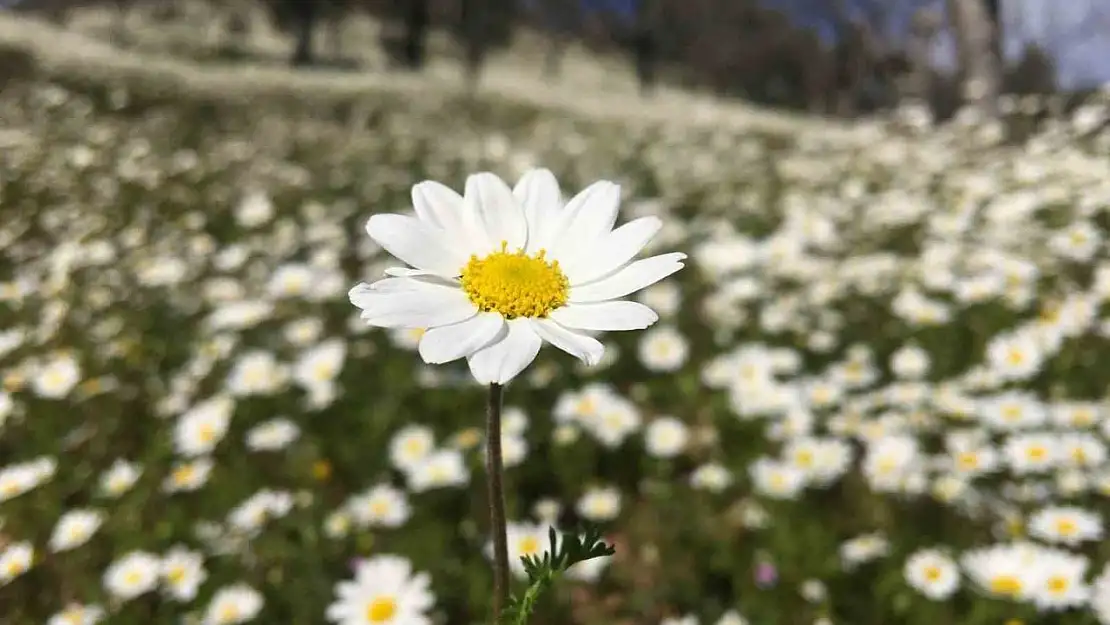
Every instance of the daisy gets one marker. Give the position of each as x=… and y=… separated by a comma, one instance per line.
x=496, y=273
x=74, y=529
x=933, y=574
x=233, y=604
x=15, y=560
x=134, y=574
x=77, y=614
x=182, y=573
x=385, y=590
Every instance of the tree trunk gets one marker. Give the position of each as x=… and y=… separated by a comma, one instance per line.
x=646, y=47
x=305, y=14
x=474, y=17
x=926, y=23
x=976, y=46
x=417, y=17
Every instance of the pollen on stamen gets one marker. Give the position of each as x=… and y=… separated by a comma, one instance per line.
x=515, y=284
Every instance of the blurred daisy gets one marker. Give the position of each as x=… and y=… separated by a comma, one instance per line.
x=524, y=540
x=501, y=270
x=132, y=575
x=1065, y=525
x=77, y=614
x=15, y=560
x=439, y=469
x=663, y=349
x=188, y=476
x=732, y=617
x=600, y=504
x=182, y=573
x=381, y=506
x=272, y=435
x=933, y=574
x=666, y=437
x=410, y=446
x=56, y=377
x=74, y=529
x=1004, y=571
x=711, y=477
x=201, y=428
x=385, y=590
x=119, y=478
x=1060, y=581
x=233, y=604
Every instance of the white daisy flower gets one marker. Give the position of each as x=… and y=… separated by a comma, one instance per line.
x=132, y=575
x=496, y=273
x=77, y=614
x=74, y=529
x=16, y=560
x=233, y=604
x=933, y=574
x=182, y=573
x=385, y=590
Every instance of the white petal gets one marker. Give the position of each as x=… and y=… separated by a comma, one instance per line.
x=630, y=279
x=447, y=343
x=538, y=193
x=438, y=205
x=420, y=305
x=502, y=361
x=587, y=216
x=587, y=349
x=612, y=251
x=406, y=272
x=498, y=210
x=416, y=243
x=605, y=316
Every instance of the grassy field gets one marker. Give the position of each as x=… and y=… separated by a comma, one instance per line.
x=876, y=395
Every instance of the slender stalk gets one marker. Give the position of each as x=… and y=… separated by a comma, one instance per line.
x=494, y=472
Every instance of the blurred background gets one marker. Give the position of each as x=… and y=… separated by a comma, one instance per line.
x=830, y=57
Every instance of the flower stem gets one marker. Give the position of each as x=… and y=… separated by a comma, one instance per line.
x=494, y=473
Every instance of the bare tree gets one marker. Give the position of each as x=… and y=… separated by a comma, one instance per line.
x=976, y=50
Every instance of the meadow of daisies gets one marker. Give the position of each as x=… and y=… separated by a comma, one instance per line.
x=876, y=394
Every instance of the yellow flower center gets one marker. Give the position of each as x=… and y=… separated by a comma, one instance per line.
x=1082, y=416
x=932, y=573
x=381, y=610
x=379, y=508
x=1066, y=527
x=804, y=458
x=1007, y=585
x=414, y=447
x=1058, y=585
x=515, y=284
x=183, y=474
x=176, y=575
x=14, y=567
x=968, y=460
x=323, y=371
x=229, y=613
x=529, y=546
x=1036, y=453
x=206, y=433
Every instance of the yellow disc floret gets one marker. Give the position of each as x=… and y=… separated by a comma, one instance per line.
x=515, y=284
